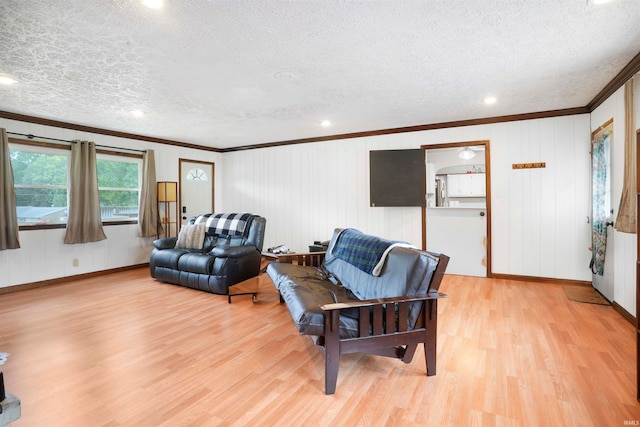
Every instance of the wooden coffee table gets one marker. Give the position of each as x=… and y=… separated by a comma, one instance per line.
x=246, y=287
x=301, y=258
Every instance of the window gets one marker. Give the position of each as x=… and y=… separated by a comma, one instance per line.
x=41, y=183
x=119, y=187
x=197, y=174
x=40, y=180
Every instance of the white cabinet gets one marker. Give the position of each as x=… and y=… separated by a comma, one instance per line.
x=466, y=185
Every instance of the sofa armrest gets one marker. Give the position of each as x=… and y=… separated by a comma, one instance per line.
x=233, y=251
x=381, y=301
x=383, y=329
x=385, y=315
x=165, y=243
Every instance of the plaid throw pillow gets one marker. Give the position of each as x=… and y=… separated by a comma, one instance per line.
x=230, y=224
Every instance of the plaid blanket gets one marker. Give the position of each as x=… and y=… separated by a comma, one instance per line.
x=230, y=224
x=368, y=253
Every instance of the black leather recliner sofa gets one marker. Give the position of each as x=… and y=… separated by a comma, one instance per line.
x=227, y=255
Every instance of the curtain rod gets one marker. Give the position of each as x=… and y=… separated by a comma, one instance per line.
x=30, y=136
x=602, y=127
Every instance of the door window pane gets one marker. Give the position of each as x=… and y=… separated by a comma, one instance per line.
x=197, y=174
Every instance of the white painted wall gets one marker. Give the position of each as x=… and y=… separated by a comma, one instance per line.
x=306, y=190
x=44, y=256
x=619, y=285
x=539, y=223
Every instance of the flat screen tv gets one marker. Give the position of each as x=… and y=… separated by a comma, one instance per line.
x=397, y=178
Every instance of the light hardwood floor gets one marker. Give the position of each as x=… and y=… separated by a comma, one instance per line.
x=126, y=350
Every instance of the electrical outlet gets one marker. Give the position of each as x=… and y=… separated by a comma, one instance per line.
x=75, y=262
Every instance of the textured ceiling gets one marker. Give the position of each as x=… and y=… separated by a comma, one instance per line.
x=235, y=73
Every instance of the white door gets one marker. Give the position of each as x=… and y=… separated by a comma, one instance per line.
x=459, y=233
x=605, y=283
x=457, y=226
x=196, y=188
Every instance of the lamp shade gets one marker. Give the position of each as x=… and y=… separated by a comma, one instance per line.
x=467, y=154
x=167, y=191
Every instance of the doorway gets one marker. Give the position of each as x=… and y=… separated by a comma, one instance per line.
x=457, y=218
x=602, y=218
x=196, y=188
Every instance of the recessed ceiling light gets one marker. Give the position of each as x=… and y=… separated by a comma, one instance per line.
x=7, y=80
x=600, y=1
x=285, y=75
x=153, y=4
x=325, y=123
x=490, y=100
x=137, y=113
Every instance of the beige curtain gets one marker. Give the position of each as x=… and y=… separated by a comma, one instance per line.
x=84, y=223
x=8, y=214
x=626, y=219
x=148, y=210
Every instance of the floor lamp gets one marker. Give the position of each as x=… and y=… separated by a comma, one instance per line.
x=167, y=194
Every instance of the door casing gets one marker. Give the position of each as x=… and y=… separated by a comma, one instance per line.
x=182, y=164
x=487, y=162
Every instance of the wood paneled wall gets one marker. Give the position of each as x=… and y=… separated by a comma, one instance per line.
x=306, y=190
x=539, y=215
x=618, y=284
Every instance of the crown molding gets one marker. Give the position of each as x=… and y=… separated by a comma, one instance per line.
x=443, y=125
x=616, y=83
x=91, y=129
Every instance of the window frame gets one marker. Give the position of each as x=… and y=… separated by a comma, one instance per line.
x=111, y=156
x=50, y=148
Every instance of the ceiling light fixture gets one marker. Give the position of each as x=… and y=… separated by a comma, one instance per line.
x=325, y=123
x=466, y=154
x=285, y=75
x=599, y=1
x=153, y=4
x=137, y=113
x=490, y=100
x=7, y=80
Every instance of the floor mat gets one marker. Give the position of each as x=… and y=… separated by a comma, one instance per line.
x=585, y=294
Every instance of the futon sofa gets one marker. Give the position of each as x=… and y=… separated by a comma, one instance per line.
x=211, y=253
x=369, y=295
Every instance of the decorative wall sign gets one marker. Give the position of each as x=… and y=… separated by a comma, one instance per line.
x=529, y=165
